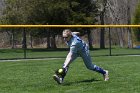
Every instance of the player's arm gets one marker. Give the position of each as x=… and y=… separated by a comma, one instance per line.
x=72, y=55
x=76, y=33
x=68, y=59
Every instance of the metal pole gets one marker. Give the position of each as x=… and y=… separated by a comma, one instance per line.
x=109, y=43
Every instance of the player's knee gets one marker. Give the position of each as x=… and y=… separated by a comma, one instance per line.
x=90, y=67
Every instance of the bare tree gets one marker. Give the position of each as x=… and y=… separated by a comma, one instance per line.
x=129, y=22
x=103, y=4
x=120, y=12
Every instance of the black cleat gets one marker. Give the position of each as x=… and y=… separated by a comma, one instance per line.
x=58, y=79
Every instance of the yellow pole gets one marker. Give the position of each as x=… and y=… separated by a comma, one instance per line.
x=68, y=26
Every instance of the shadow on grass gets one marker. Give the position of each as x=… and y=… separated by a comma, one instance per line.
x=79, y=82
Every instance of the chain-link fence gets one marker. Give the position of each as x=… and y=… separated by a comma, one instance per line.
x=45, y=41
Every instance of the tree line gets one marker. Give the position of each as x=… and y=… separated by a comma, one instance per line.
x=136, y=21
x=49, y=12
x=58, y=12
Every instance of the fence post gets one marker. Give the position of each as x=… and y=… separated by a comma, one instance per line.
x=109, y=43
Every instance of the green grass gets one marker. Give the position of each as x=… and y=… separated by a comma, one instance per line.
x=35, y=76
x=45, y=53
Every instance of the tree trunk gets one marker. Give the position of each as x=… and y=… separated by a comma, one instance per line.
x=48, y=38
x=31, y=40
x=53, y=43
x=102, y=16
x=24, y=39
x=130, y=44
x=89, y=38
x=121, y=38
x=129, y=22
x=102, y=42
x=13, y=39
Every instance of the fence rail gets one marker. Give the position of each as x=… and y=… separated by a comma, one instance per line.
x=68, y=26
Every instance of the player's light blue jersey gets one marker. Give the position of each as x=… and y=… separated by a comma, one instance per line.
x=76, y=44
x=79, y=47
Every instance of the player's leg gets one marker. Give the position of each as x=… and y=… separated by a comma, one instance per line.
x=88, y=62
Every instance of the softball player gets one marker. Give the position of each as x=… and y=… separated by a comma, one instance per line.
x=77, y=48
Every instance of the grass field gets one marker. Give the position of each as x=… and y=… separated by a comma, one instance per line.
x=48, y=53
x=35, y=76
